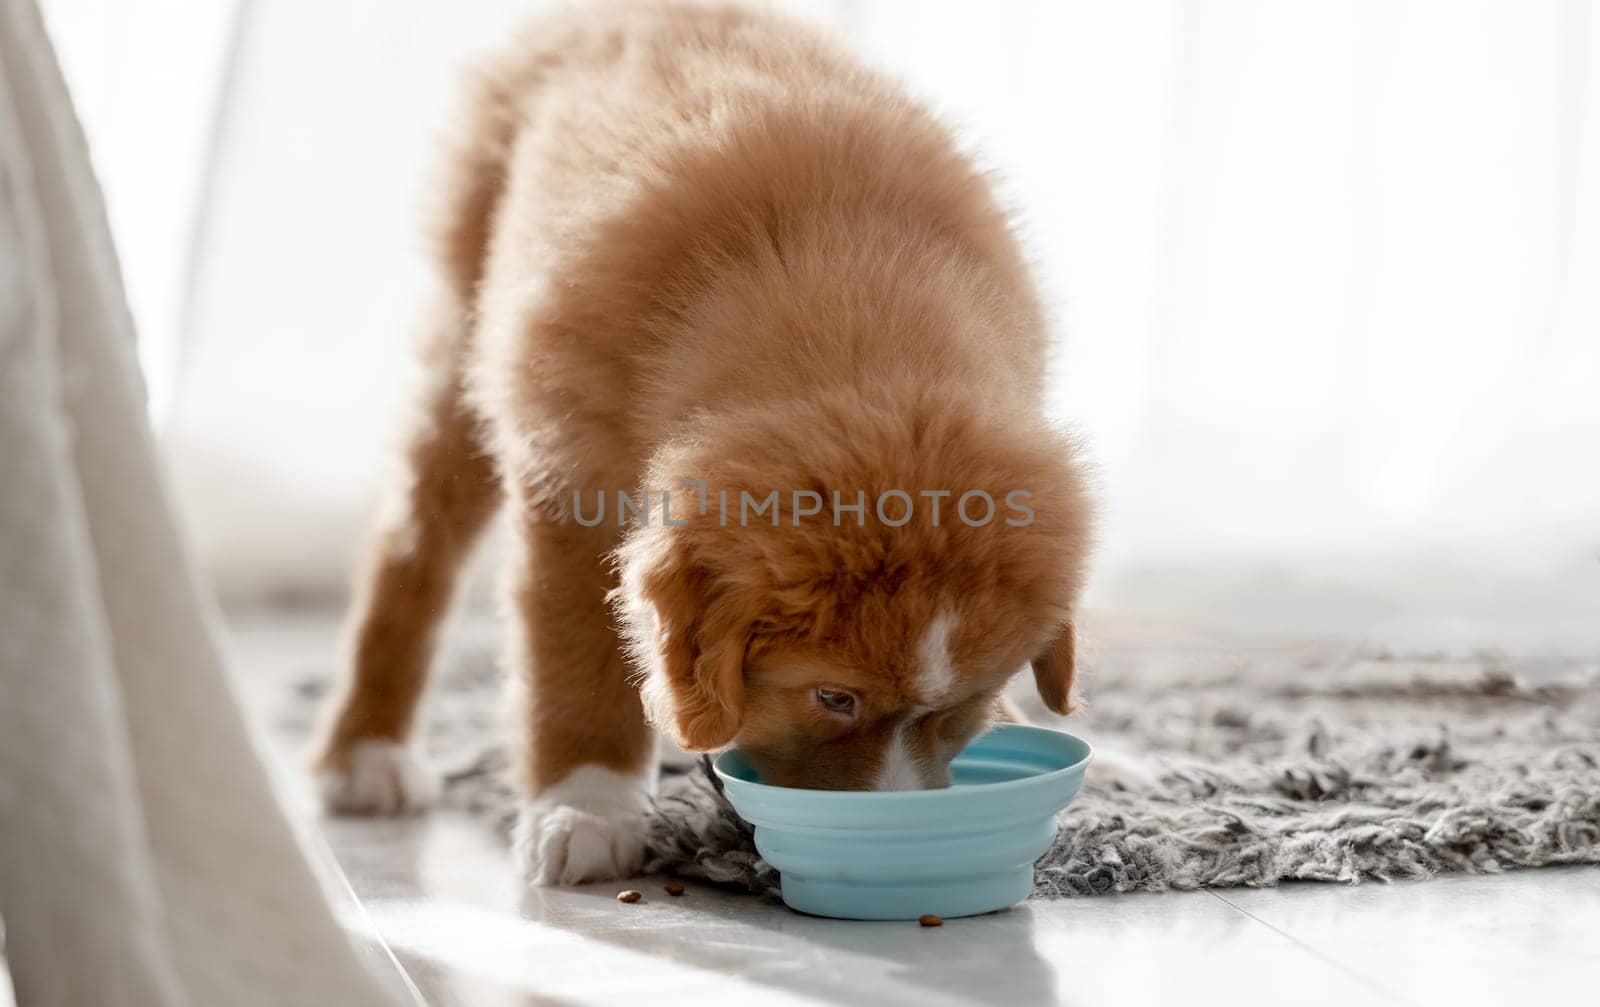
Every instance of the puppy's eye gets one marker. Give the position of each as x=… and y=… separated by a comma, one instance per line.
x=835, y=701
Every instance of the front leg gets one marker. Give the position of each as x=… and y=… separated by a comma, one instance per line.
x=586, y=756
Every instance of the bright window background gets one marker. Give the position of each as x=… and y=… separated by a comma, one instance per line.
x=1324, y=276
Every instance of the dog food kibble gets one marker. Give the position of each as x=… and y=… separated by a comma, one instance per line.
x=672, y=888
x=629, y=896
x=930, y=920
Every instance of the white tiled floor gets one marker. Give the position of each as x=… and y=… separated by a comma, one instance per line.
x=439, y=892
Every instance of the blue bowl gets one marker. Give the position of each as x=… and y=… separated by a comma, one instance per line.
x=896, y=855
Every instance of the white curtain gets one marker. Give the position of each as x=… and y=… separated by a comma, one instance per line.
x=144, y=859
x=1322, y=272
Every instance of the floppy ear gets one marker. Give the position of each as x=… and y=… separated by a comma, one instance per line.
x=1053, y=670
x=693, y=667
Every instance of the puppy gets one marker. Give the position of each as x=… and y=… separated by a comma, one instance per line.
x=746, y=348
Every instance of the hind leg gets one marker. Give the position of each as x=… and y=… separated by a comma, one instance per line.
x=447, y=491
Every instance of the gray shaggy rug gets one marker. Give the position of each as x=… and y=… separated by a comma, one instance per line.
x=1259, y=767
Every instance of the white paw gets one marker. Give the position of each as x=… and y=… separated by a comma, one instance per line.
x=588, y=827
x=380, y=778
x=1120, y=769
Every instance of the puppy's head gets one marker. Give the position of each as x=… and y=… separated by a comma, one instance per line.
x=846, y=652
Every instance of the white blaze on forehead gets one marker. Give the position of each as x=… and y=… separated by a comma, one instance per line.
x=935, y=680
x=900, y=770
x=936, y=674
